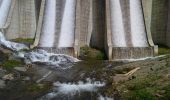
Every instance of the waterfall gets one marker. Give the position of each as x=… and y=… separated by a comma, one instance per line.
x=118, y=34
x=48, y=29
x=66, y=38
x=4, y=10
x=138, y=32
x=11, y=45
x=54, y=60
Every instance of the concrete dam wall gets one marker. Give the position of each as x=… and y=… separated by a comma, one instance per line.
x=19, y=20
x=122, y=28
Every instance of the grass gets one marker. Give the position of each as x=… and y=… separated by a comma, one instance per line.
x=22, y=40
x=146, y=87
x=10, y=64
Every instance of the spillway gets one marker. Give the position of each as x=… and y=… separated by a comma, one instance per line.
x=127, y=36
x=58, y=26
x=118, y=33
x=68, y=25
x=48, y=29
x=4, y=10
x=139, y=38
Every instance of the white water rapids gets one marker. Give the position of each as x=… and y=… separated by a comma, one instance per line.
x=56, y=60
x=71, y=89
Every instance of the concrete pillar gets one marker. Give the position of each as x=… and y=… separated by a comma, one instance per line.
x=97, y=39
x=159, y=21
x=168, y=27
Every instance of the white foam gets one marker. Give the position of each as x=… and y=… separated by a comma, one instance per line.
x=73, y=88
x=49, y=58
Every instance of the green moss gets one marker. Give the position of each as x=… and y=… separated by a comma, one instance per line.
x=22, y=40
x=164, y=50
x=9, y=64
x=87, y=53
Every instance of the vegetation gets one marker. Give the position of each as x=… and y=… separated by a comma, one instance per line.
x=35, y=88
x=164, y=50
x=22, y=40
x=87, y=53
x=9, y=64
x=153, y=85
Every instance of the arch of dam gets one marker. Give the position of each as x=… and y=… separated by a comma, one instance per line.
x=122, y=28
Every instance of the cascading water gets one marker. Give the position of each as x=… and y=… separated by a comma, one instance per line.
x=66, y=38
x=66, y=90
x=138, y=32
x=56, y=60
x=4, y=10
x=48, y=29
x=118, y=33
x=11, y=45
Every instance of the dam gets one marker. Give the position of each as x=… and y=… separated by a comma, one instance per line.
x=121, y=28
x=127, y=31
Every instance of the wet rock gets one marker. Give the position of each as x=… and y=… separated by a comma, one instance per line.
x=8, y=77
x=22, y=69
x=2, y=72
x=3, y=56
x=26, y=79
x=2, y=84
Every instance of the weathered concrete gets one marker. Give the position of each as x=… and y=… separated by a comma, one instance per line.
x=92, y=23
x=168, y=27
x=98, y=27
x=159, y=21
x=22, y=20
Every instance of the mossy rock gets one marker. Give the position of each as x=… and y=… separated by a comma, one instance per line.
x=87, y=53
x=23, y=40
x=10, y=64
x=36, y=88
